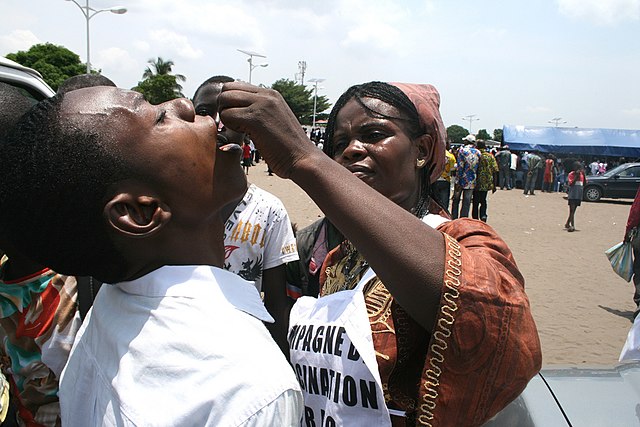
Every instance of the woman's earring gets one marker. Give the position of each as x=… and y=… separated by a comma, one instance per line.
x=420, y=163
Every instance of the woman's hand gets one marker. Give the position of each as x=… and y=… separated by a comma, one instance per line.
x=627, y=236
x=265, y=116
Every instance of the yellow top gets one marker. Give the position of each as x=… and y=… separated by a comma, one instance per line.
x=449, y=166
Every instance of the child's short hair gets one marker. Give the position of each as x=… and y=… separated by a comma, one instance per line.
x=84, y=80
x=54, y=179
x=13, y=104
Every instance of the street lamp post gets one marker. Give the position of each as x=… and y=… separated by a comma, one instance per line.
x=250, y=61
x=315, y=99
x=89, y=13
x=557, y=120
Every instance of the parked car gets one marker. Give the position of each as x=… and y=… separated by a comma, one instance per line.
x=26, y=79
x=621, y=182
x=582, y=397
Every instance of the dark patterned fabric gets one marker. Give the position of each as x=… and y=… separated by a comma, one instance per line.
x=487, y=167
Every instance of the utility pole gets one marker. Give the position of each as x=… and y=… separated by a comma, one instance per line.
x=315, y=98
x=470, y=118
x=302, y=67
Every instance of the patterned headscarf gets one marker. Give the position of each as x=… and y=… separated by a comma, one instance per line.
x=427, y=101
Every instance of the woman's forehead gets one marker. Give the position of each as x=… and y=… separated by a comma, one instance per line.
x=373, y=106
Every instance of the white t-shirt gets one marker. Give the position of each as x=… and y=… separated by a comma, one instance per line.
x=514, y=161
x=258, y=236
x=177, y=347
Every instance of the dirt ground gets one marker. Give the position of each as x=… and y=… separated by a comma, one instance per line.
x=582, y=308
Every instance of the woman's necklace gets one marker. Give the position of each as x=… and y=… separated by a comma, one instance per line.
x=346, y=274
x=353, y=268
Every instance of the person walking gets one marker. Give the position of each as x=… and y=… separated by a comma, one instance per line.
x=631, y=348
x=633, y=221
x=485, y=182
x=577, y=181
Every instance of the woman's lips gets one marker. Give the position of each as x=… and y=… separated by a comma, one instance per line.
x=360, y=171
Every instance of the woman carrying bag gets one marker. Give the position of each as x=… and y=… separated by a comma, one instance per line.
x=631, y=349
x=631, y=235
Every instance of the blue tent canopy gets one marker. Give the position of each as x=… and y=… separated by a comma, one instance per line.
x=582, y=141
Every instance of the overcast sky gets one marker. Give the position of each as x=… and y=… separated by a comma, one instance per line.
x=519, y=62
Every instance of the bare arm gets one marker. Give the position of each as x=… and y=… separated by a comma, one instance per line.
x=407, y=255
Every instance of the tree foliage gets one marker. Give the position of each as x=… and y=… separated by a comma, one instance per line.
x=161, y=67
x=159, y=88
x=483, y=134
x=455, y=133
x=158, y=84
x=300, y=100
x=497, y=135
x=55, y=63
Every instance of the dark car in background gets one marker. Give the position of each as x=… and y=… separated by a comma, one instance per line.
x=621, y=182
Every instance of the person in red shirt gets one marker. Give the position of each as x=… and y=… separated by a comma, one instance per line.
x=246, y=156
x=629, y=236
x=549, y=175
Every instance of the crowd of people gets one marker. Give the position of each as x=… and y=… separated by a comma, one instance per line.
x=405, y=314
x=472, y=171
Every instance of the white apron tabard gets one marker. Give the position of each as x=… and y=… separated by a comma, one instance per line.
x=333, y=357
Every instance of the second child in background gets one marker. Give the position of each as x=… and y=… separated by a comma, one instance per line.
x=258, y=238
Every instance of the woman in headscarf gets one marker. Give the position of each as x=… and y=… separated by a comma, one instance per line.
x=421, y=320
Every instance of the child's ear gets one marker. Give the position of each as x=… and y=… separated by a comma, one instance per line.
x=136, y=216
